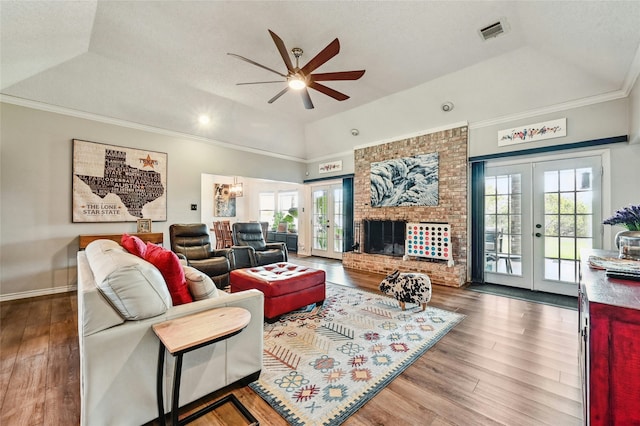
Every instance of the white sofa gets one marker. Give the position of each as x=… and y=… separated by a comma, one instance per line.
x=118, y=356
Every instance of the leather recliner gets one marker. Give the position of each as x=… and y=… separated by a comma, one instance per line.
x=250, y=248
x=193, y=242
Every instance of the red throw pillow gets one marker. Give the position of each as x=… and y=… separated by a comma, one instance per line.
x=134, y=245
x=169, y=266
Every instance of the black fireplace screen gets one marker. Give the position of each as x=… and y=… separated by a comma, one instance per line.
x=384, y=237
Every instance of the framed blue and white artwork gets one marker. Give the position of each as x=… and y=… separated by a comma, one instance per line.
x=409, y=181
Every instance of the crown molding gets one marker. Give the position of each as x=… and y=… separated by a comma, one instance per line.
x=330, y=156
x=137, y=126
x=632, y=74
x=627, y=86
x=591, y=100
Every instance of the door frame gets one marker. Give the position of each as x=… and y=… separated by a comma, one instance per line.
x=605, y=201
x=329, y=186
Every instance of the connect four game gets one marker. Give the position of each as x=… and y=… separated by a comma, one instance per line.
x=432, y=240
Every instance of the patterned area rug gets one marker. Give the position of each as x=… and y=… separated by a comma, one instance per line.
x=321, y=364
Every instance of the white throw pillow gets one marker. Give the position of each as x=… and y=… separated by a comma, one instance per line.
x=200, y=285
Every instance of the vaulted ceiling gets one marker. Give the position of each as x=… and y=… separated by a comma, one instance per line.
x=163, y=63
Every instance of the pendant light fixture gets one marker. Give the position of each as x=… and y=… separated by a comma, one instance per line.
x=235, y=189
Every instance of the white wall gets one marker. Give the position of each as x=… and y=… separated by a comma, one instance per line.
x=38, y=241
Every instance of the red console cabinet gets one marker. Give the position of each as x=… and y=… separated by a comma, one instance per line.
x=610, y=346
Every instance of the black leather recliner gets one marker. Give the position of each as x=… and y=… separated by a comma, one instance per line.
x=192, y=242
x=250, y=248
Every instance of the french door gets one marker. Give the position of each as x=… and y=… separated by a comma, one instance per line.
x=327, y=221
x=507, y=225
x=538, y=216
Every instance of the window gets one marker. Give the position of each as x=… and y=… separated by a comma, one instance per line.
x=267, y=206
x=284, y=210
x=288, y=209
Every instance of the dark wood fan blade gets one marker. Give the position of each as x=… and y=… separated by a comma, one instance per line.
x=282, y=49
x=328, y=91
x=306, y=99
x=282, y=92
x=259, y=82
x=342, y=75
x=327, y=53
x=256, y=64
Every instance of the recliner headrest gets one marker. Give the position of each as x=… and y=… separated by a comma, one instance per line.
x=189, y=229
x=248, y=227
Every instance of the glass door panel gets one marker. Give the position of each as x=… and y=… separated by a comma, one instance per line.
x=507, y=251
x=327, y=221
x=319, y=220
x=567, y=220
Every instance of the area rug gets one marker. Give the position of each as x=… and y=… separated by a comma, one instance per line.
x=321, y=364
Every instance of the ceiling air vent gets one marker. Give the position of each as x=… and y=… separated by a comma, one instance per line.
x=493, y=30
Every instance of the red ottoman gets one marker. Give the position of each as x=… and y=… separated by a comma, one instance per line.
x=286, y=286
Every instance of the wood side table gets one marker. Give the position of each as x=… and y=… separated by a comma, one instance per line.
x=151, y=237
x=188, y=333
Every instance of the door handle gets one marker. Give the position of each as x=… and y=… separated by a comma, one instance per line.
x=538, y=234
x=538, y=226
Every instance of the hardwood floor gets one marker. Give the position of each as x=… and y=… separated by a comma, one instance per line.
x=509, y=362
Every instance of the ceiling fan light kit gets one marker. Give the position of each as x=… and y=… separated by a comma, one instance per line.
x=301, y=79
x=297, y=82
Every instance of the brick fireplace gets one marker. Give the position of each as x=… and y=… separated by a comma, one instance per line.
x=451, y=146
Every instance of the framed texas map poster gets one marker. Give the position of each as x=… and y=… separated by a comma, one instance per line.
x=118, y=184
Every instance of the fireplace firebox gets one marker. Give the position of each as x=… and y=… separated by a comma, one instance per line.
x=384, y=237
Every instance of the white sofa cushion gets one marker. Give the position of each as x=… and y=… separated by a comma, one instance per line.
x=132, y=285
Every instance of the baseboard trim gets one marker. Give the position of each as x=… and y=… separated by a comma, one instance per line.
x=36, y=293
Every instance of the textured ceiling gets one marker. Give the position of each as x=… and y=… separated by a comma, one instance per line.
x=161, y=63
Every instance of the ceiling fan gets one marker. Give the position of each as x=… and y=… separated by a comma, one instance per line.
x=303, y=78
